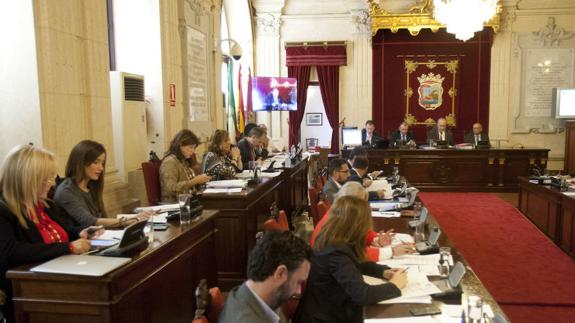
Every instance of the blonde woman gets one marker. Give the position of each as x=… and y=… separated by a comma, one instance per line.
x=31, y=228
x=335, y=290
x=177, y=175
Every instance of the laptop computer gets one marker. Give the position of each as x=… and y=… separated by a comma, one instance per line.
x=451, y=284
x=83, y=265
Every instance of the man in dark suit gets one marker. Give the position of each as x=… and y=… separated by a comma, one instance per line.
x=440, y=132
x=359, y=152
x=476, y=135
x=402, y=134
x=368, y=135
x=273, y=278
x=273, y=100
x=338, y=172
x=360, y=166
x=248, y=145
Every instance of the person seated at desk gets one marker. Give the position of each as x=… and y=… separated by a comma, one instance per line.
x=32, y=229
x=80, y=195
x=359, y=152
x=378, y=244
x=368, y=135
x=222, y=161
x=262, y=150
x=338, y=172
x=335, y=290
x=360, y=165
x=277, y=267
x=476, y=135
x=249, y=144
x=440, y=132
x=401, y=136
x=176, y=173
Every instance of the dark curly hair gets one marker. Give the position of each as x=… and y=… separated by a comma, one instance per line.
x=184, y=137
x=276, y=248
x=218, y=138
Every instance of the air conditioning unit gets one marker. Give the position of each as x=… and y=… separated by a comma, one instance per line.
x=129, y=121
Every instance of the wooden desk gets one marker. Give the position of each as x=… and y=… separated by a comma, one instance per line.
x=157, y=286
x=551, y=211
x=471, y=284
x=242, y=216
x=459, y=170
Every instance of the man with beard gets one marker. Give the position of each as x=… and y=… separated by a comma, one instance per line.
x=277, y=267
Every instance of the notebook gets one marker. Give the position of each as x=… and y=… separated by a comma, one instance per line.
x=82, y=265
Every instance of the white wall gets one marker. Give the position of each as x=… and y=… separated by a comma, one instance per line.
x=314, y=104
x=139, y=51
x=20, y=118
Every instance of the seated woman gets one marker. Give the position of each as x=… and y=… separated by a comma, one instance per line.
x=336, y=291
x=32, y=229
x=81, y=193
x=222, y=161
x=176, y=173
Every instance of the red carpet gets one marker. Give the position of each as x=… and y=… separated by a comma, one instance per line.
x=517, y=263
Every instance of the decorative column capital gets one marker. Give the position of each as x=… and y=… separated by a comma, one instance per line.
x=362, y=21
x=268, y=24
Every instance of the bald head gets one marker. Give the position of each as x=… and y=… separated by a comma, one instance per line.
x=477, y=128
x=441, y=124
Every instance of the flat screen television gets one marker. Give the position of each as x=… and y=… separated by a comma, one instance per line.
x=274, y=94
x=564, y=103
x=351, y=136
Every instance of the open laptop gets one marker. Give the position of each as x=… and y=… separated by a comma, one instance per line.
x=83, y=265
x=451, y=284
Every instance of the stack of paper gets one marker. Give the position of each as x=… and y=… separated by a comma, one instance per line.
x=381, y=184
x=400, y=238
x=230, y=183
x=222, y=190
x=274, y=174
x=112, y=235
x=388, y=214
x=158, y=208
x=417, y=290
x=384, y=206
x=158, y=218
x=400, y=261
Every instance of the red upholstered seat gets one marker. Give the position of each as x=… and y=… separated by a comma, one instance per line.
x=201, y=319
x=313, y=200
x=216, y=304
x=279, y=224
x=209, y=303
x=151, y=172
x=322, y=208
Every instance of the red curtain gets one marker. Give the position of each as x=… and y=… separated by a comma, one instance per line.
x=301, y=73
x=316, y=56
x=329, y=86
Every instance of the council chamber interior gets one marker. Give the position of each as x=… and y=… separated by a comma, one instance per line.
x=152, y=150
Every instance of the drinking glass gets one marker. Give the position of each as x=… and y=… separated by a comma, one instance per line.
x=420, y=232
x=150, y=229
x=184, y=202
x=445, y=255
x=474, y=309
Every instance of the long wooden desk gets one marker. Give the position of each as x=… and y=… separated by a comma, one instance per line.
x=471, y=284
x=459, y=170
x=242, y=216
x=157, y=286
x=551, y=211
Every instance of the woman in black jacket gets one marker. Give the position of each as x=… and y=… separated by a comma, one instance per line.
x=31, y=229
x=336, y=291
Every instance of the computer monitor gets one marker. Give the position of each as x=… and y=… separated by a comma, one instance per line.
x=564, y=103
x=351, y=136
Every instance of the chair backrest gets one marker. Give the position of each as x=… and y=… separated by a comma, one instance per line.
x=313, y=201
x=322, y=208
x=209, y=303
x=151, y=172
x=279, y=224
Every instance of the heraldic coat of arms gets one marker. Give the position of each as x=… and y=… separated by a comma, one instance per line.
x=430, y=91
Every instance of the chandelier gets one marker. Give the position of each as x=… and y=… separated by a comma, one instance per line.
x=464, y=17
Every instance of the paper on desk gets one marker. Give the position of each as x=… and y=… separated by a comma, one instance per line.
x=246, y=174
x=229, y=183
x=274, y=174
x=417, y=286
x=571, y=194
x=158, y=218
x=455, y=310
x=388, y=214
x=379, y=184
x=112, y=235
x=415, y=260
x=384, y=206
x=400, y=238
x=222, y=190
x=159, y=208
x=407, y=319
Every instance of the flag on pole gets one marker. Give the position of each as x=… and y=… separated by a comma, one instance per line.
x=232, y=119
x=241, y=119
x=249, y=108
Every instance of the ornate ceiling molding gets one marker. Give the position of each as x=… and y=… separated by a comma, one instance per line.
x=416, y=18
x=551, y=35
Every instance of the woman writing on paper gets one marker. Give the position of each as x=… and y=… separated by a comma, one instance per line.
x=336, y=291
x=177, y=175
x=222, y=161
x=32, y=228
x=81, y=193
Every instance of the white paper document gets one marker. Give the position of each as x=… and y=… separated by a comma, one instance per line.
x=385, y=214
x=400, y=238
x=112, y=235
x=158, y=218
x=222, y=190
x=274, y=174
x=227, y=183
x=417, y=290
x=379, y=184
x=159, y=208
x=415, y=260
x=384, y=206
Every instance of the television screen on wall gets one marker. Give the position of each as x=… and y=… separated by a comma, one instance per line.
x=274, y=94
x=564, y=100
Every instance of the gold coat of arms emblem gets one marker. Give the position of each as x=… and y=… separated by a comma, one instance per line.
x=430, y=91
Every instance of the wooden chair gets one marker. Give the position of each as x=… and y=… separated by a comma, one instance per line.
x=151, y=170
x=313, y=201
x=209, y=303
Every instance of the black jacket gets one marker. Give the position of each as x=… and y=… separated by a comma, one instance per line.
x=396, y=136
x=470, y=138
x=247, y=152
x=374, y=138
x=373, y=196
x=19, y=246
x=335, y=290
